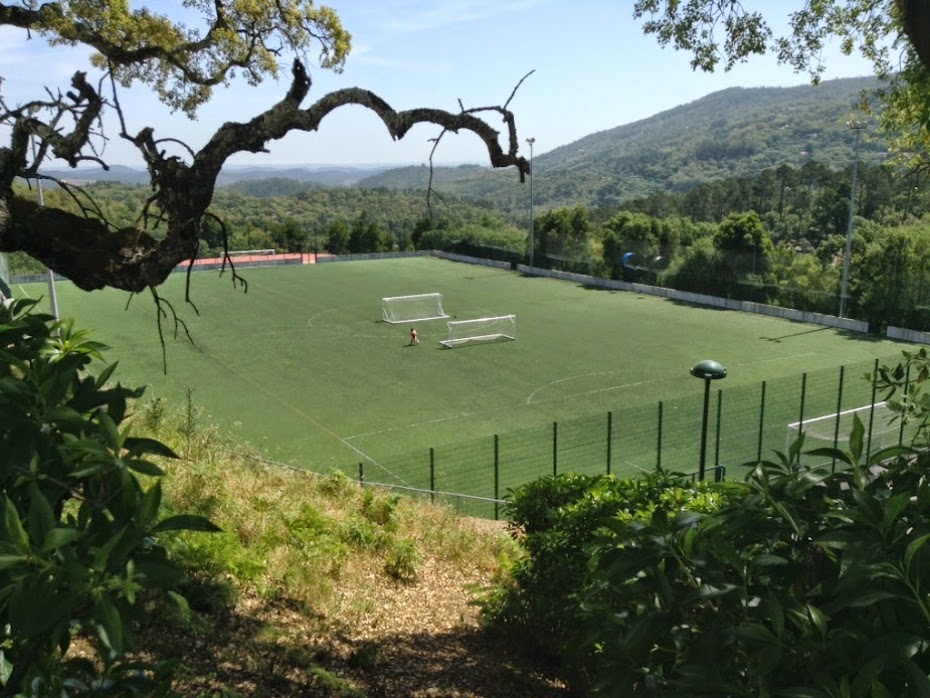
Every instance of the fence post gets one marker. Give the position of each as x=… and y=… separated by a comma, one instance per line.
x=610, y=425
x=907, y=384
x=432, y=475
x=497, y=478
x=761, y=423
x=839, y=409
x=361, y=473
x=659, y=444
x=868, y=444
x=555, y=448
x=801, y=415
x=719, y=412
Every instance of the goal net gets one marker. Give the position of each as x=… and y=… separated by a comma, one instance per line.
x=880, y=430
x=401, y=309
x=486, y=329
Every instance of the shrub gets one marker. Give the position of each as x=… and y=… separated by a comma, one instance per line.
x=558, y=519
x=80, y=524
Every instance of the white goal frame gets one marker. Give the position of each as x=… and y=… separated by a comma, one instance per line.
x=416, y=308
x=485, y=329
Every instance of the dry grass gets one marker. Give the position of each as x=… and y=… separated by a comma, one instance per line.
x=320, y=587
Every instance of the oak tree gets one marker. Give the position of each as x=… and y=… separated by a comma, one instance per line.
x=250, y=39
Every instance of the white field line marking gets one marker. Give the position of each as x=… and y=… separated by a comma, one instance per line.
x=638, y=467
x=779, y=358
x=530, y=400
x=466, y=415
x=391, y=333
x=298, y=411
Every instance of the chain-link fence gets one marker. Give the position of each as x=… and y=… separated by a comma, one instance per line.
x=744, y=425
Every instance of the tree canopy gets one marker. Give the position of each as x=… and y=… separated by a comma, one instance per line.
x=893, y=34
x=254, y=39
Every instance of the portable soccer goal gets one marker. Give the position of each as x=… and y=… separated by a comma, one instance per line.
x=486, y=329
x=881, y=431
x=403, y=309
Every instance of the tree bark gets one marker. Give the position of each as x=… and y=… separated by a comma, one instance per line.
x=915, y=17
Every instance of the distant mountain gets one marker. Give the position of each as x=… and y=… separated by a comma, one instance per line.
x=732, y=133
x=326, y=176
x=334, y=176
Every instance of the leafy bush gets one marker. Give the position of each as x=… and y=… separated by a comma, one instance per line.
x=558, y=518
x=80, y=518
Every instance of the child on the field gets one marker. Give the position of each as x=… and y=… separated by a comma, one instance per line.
x=414, y=337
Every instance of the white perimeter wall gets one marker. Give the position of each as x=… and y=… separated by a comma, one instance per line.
x=684, y=296
x=704, y=299
x=908, y=335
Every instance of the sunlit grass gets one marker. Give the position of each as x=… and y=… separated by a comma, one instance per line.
x=321, y=542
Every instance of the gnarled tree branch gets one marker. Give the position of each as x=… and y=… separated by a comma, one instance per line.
x=93, y=256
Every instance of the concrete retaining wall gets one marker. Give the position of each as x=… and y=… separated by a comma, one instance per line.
x=908, y=335
x=452, y=256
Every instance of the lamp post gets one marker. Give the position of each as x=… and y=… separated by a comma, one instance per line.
x=856, y=126
x=530, y=142
x=708, y=370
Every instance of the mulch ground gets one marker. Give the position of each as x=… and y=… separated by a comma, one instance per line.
x=416, y=640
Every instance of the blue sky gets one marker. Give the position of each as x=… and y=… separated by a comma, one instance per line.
x=594, y=70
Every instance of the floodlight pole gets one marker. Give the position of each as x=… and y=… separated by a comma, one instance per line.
x=855, y=125
x=708, y=370
x=530, y=142
x=52, y=292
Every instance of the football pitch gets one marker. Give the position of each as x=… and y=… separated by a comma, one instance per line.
x=303, y=369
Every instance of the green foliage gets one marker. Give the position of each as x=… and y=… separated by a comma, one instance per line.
x=298, y=217
x=402, y=561
x=182, y=63
x=799, y=581
x=563, y=236
x=80, y=520
x=470, y=239
x=559, y=517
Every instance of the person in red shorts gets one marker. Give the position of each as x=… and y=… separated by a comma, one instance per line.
x=414, y=337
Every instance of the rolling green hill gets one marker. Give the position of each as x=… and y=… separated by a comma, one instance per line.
x=731, y=133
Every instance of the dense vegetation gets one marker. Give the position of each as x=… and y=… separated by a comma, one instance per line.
x=796, y=582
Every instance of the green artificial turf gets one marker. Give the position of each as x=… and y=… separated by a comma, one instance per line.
x=302, y=368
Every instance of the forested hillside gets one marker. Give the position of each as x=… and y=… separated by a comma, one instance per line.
x=292, y=216
x=732, y=133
